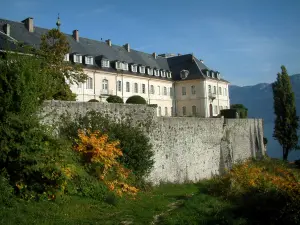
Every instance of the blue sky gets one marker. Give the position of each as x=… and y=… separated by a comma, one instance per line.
x=247, y=41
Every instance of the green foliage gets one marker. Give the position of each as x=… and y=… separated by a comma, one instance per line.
x=136, y=99
x=93, y=100
x=241, y=109
x=114, y=99
x=54, y=46
x=6, y=192
x=287, y=121
x=137, y=151
x=229, y=113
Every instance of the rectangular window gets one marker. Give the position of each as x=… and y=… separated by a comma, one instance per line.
x=119, y=65
x=125, y=66
x=143, y=88
x=134, y=68
x=89, y=83
x=150, y=71
x=215, y=90
x=209, y=89
x=127, y=87
x=158, y=87
x=194, y=110
x=166, y=111
x=156, y=73
x=183, y=91
x=162, y=73
x=105, y=84
x=152, y=89
x=216, y=109
x=77, y=58
x=119, y=85
x=142, y=69
x=171, y=91
x=184, y=110
x=220, y=91
x=225, y=91
x=193, y=90
x=165, y=91
x=89, y=60
x=136, y=89
x=105, y=63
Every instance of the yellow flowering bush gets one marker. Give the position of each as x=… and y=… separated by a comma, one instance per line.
x=97, y=149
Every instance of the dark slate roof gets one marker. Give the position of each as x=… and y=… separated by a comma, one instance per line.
x=99, y=49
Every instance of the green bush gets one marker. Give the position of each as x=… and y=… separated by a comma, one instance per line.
x=137, y=151
x=114, y=99
x=136, y=99
x=6, y=192
x=241, y=109
x=32, y=158
x=229, y=113
x=93, y=100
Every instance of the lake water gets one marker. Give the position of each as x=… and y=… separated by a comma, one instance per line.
x=274, y=149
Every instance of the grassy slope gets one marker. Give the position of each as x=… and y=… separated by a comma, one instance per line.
x=78, y=210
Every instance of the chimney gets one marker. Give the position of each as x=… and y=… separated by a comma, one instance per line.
x=201, y=60
x=127, y=47
x=29, y=24
x=76, y=35
x=108, y=41
x=6, y=29
x=154, y=55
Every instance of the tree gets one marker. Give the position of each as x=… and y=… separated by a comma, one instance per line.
x=54, y=46
x=114, y=99
x=241, y=109
x=286, y=121
x=136, y=99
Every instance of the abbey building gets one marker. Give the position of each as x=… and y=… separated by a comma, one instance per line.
x=181, y=85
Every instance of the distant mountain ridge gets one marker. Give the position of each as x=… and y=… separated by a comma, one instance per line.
x=259, y=101
x=259, y=98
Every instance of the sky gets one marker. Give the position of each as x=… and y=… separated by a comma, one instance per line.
x=246, y=40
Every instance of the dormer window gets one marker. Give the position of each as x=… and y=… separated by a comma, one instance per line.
x=89, y=60
x=207, y=73
x=105, y=63
x=162, y=73
x=218, y=75
x=66, y=58
x=150, y=71
x=156, y=73
x=77, y=58
x=142, y=69
x=119, y=65
x=169, y=74
x=134, y=68
x=125, y=66
x=212, y=74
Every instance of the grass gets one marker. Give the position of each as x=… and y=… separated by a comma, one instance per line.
x=78, y=210
x=207, y=202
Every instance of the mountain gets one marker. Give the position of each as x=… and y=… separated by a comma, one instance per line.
x=259, y=101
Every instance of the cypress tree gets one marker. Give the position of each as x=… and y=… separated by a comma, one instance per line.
x=286, y=121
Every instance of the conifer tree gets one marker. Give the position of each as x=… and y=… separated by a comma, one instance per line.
x=286, y=121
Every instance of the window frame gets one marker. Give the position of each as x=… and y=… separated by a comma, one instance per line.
x=89, y=60
x=105, y=84
x=89, y=83
x=150, y=71
x=193, y=90
x=134, y=68
x=143, y=88
x=105, y=63
x=183, y=90
x=77, y=56
x=152, y=91
x=136, y=88
x=119, y=85
x=127, y=86
x=142, y=69
x=184, y=110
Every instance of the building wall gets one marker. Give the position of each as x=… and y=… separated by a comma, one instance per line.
x=186, y=149
x=162, y=96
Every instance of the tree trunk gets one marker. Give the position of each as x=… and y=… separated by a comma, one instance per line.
x=285, y=154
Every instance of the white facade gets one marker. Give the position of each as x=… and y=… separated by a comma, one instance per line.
x=200, y=97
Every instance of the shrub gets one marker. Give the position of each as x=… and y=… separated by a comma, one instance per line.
x=136, y=99
x=114, y=99
x=264, y=188
x=134, y=143
x=6, y=192
x=93, y=100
